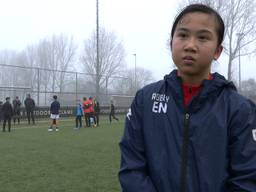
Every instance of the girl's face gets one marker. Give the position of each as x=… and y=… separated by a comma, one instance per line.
x=194, y=45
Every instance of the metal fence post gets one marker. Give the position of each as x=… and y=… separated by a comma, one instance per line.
x=76, y=86
x=38, y=85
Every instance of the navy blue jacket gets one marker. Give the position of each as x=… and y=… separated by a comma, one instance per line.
x=55, y=107
x=7, y=110
x=209, y=146
x=29, y=103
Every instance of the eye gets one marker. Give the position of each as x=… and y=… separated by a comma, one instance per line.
x=203, y=38
x=182, y=35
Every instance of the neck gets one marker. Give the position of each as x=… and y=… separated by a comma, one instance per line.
x=193, y=80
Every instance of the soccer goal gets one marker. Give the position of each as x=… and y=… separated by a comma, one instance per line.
x=122, y=100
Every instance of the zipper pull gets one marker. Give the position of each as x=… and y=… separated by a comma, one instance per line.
x=187, y=116
x=186, y=121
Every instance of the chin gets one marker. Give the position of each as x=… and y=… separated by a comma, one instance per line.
x=188, y=72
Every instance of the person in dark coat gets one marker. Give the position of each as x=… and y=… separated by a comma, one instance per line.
x=1, y=114
x=7, y=113
x=96, y=112
x=55, y=114
x=16, y=109
x=112, y=112
x=30, y=107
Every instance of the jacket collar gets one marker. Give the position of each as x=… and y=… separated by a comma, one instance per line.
x=209, y=87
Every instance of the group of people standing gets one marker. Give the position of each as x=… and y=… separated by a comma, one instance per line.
x=90, y=109
x=9, y=111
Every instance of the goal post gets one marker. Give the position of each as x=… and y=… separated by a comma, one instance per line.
x=122, y=100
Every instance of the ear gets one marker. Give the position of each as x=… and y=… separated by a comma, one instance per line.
x=218, y=52
x=170, y=43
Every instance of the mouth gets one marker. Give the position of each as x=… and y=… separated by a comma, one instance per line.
x=188, y=60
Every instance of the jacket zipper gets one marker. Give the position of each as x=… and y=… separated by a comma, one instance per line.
x=184, y=154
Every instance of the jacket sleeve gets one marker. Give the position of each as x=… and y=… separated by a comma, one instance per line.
x=133, y=174
x=11, y=109
x=242, y=149
x=34, y=104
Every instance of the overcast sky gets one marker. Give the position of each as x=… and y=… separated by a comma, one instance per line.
x=143, y=25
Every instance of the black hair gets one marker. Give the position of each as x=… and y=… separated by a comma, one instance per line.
x=203, y=9
x=55, y=97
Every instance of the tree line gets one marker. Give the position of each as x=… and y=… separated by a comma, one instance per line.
x=58, y=55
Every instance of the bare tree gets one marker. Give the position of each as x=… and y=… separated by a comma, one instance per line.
x=126, y=85
x=10, y=75
x=239, y=19
x=39, y=56
x=249, y=89
x=48, y=59
x=240, y=30
x=111, y=57
x=143, y=77
x=13, y=75
x=56, y=53
x=65, y=54
x=30, y=60
x=46, y=63
x=22, y=76
x=7, y=57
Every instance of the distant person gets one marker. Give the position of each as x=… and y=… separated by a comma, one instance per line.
x=55, y=114
x=16, y=103
x=79, y=114
x=112, y=112
x=7, y=113
x=30, y=107
x=91, y=112
x=83, y=105
x=1, y=113
x=96, y=112
x=86, y=107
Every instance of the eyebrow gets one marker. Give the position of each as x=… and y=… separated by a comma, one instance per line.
x=200, y=31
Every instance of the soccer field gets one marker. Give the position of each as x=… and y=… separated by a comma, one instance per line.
x=35, y=160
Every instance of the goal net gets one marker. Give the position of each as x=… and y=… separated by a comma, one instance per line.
x=121, y=100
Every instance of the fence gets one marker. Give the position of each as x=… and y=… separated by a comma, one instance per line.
x=44, y=112
x=69, y=86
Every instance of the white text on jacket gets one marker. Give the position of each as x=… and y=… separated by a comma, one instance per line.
x=160, y=103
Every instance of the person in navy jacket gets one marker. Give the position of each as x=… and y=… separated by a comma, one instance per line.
x=30, y=107
x=7, y=111
x=55, y=114
x=191, y=131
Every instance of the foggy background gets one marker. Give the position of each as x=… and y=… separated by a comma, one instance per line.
x=133, y=41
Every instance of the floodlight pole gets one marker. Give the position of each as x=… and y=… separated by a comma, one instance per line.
x=239, y=61
x=97, y=47
x=76, y=87
x=135, y=72
x=239, y=69
x=38, y=85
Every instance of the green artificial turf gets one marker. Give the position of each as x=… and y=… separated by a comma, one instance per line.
x=35, y=160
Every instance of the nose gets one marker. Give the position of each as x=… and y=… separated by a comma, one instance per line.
x=191, y=45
